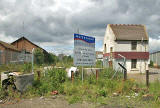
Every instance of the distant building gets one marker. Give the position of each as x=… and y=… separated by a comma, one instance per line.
x=19, y=50
x=129, y=41
x=155, y=58
x=26, y=46
x=60, y=56
x=8, y=53
x=99, y=55
x=23, y=44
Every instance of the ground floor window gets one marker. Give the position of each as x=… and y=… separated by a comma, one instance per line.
x=133, y=63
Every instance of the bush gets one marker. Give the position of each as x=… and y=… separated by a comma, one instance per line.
x=102, y=92
x=38, y=56
x=108, y=73
x=27, y=68
x=151, y=64
x=52, y=81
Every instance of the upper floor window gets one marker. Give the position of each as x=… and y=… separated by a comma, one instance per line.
x=134, y=45
x=105, y=48
x=111, y=49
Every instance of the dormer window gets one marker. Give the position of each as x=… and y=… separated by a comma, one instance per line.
x=134, y=45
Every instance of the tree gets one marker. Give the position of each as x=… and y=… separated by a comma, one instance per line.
x=38, y=56
x=52, y=58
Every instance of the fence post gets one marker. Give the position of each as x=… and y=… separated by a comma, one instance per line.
x=97, y=75
x=125, y=74
x=39, y=75
x=72, y=76
x=147, y=78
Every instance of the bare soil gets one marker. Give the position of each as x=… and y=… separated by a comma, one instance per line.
x=141, y=78
x=43, y=103
x=59, y=102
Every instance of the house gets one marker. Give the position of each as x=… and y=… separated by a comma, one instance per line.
x=26, y=46
x=126, y=44
x=99, y=55
x=23, y=44
x=8, y=53
x=155, y=58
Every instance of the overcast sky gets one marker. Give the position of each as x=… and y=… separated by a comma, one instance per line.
x=51, y=23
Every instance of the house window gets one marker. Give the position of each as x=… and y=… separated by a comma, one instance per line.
x=111, y=49
x=105, y=48
x=134, y=45
x=134, y=63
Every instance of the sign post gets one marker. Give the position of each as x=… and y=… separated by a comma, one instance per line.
x=84, y=51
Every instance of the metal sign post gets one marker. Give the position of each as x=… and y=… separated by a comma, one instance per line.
x=82, y=66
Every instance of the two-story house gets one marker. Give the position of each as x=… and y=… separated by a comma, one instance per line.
x=128, y=44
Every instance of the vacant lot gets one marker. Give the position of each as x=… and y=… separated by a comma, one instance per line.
x=43, y=103
x=153, y=76
x=91, y=93
x=60, y=102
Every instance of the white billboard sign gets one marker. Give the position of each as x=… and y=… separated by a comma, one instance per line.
x=84, y=50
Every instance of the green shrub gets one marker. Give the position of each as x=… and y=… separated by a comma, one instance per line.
x=102, y=92
x=38, y=56
x=52, y=81
x=27, y=68
x=151, y=64
x=108, y=73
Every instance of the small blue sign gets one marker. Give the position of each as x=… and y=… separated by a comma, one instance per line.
x=87, y=39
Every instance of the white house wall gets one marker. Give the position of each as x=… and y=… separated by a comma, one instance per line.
x=141, y=65
x=109, y=40
x=125, y=46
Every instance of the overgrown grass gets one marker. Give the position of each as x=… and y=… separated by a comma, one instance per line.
x=102, y=91
x=51, y=81
x=23, y=68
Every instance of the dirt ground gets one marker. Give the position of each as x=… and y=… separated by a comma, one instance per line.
x=44, y=103
x=153, y=76
x=59, y=102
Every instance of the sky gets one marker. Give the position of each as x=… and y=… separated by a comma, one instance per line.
x=52, y=23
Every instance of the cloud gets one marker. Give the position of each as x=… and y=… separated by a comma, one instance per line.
x=154, y=45
x=51, y=23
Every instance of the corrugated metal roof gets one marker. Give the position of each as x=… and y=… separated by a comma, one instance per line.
x=129, y=31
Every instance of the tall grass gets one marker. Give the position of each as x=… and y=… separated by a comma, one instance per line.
x=90, y=89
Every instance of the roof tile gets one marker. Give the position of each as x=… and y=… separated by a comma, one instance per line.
x=129, y=31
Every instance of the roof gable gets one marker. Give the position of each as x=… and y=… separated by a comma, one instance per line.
x=129, y=32
x=24, y=38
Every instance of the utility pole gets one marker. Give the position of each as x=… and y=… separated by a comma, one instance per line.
x=78, y=30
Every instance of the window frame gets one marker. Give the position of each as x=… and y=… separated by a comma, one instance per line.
x=134, y=45
x=133, y=63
